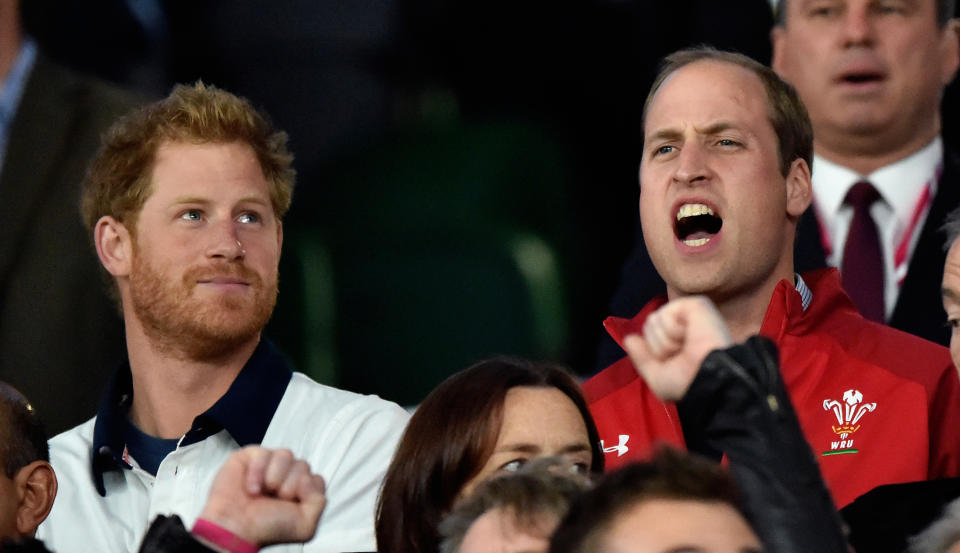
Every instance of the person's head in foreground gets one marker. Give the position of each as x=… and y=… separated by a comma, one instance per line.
x=943, y=536
x=488, y=419
x=951, y=283
x=184, y=201
x=514, y=512
x=674, y=503
x=871, y=73
x=724, y=179
x=28, y=485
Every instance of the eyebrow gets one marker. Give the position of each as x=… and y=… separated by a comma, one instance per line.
x=697, y=549
x=534, y=449
x=674, y=134
x=665, y=134
x=716, y=128
x=950, y=293
x=200, y=200
x=189, y=200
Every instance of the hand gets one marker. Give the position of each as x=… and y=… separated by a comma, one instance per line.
x=676, y=339
x=266, y=496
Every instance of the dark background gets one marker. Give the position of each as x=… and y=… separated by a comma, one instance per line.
x=466, y=170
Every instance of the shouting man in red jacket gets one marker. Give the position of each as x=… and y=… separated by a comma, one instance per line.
x=724, y=178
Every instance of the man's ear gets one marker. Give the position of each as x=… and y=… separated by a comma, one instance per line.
x=36, y=485
x=114, y=245
x=950, y=51
x=776, y=42
x=799, y=188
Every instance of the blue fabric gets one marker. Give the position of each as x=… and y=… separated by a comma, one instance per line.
x=12, y=88
x=245, y=411
x=147, y=450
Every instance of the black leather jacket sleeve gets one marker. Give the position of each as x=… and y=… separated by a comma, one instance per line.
x=168, y=535
x=737, y=404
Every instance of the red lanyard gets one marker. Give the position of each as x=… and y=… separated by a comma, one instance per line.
x=900, y=254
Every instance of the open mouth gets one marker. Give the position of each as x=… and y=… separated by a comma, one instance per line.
x=696, y=224
x=860, y=78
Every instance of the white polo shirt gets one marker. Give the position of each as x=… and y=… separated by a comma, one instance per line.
x=105, y=502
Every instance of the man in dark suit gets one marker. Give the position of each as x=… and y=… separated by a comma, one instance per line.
x=871, y=77
x=58, y=328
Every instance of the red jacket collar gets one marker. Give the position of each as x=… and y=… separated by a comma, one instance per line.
x=785, y=314
x=619, y=327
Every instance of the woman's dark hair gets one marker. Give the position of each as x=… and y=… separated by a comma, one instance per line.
x=448, y=440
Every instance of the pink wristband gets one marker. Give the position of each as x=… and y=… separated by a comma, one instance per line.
x=221, y=537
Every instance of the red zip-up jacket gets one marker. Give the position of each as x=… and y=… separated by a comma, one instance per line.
x=877, y=405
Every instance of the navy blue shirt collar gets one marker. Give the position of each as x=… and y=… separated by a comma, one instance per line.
x=245, y=411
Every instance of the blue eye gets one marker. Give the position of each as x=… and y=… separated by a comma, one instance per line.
x=513, y=466
x=664, y=150
x=192, y=215
x=249, y=217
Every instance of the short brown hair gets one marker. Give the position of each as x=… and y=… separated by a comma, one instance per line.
x=118, y=178
x=671, y=474
x=787, y=113
x=542, y=489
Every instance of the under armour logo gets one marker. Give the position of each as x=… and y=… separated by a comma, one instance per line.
x=620, y=448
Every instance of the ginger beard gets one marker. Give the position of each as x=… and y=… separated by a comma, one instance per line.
x=177, y=318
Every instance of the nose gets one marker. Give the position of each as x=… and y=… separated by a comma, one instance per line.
x=692, y=165
x=857, y=25
x=955, y=348
x=225, y=242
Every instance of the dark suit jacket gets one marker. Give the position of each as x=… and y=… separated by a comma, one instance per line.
x=60, y=335
x=919, y=308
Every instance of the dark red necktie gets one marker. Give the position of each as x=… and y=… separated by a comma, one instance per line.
x=862, y=268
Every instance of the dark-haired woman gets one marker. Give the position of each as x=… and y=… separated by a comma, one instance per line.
x=492, y=417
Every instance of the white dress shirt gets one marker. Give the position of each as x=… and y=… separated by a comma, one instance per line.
x=906, y=188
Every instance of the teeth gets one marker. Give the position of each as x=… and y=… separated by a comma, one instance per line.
x=697, y=242
x=691, y=210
